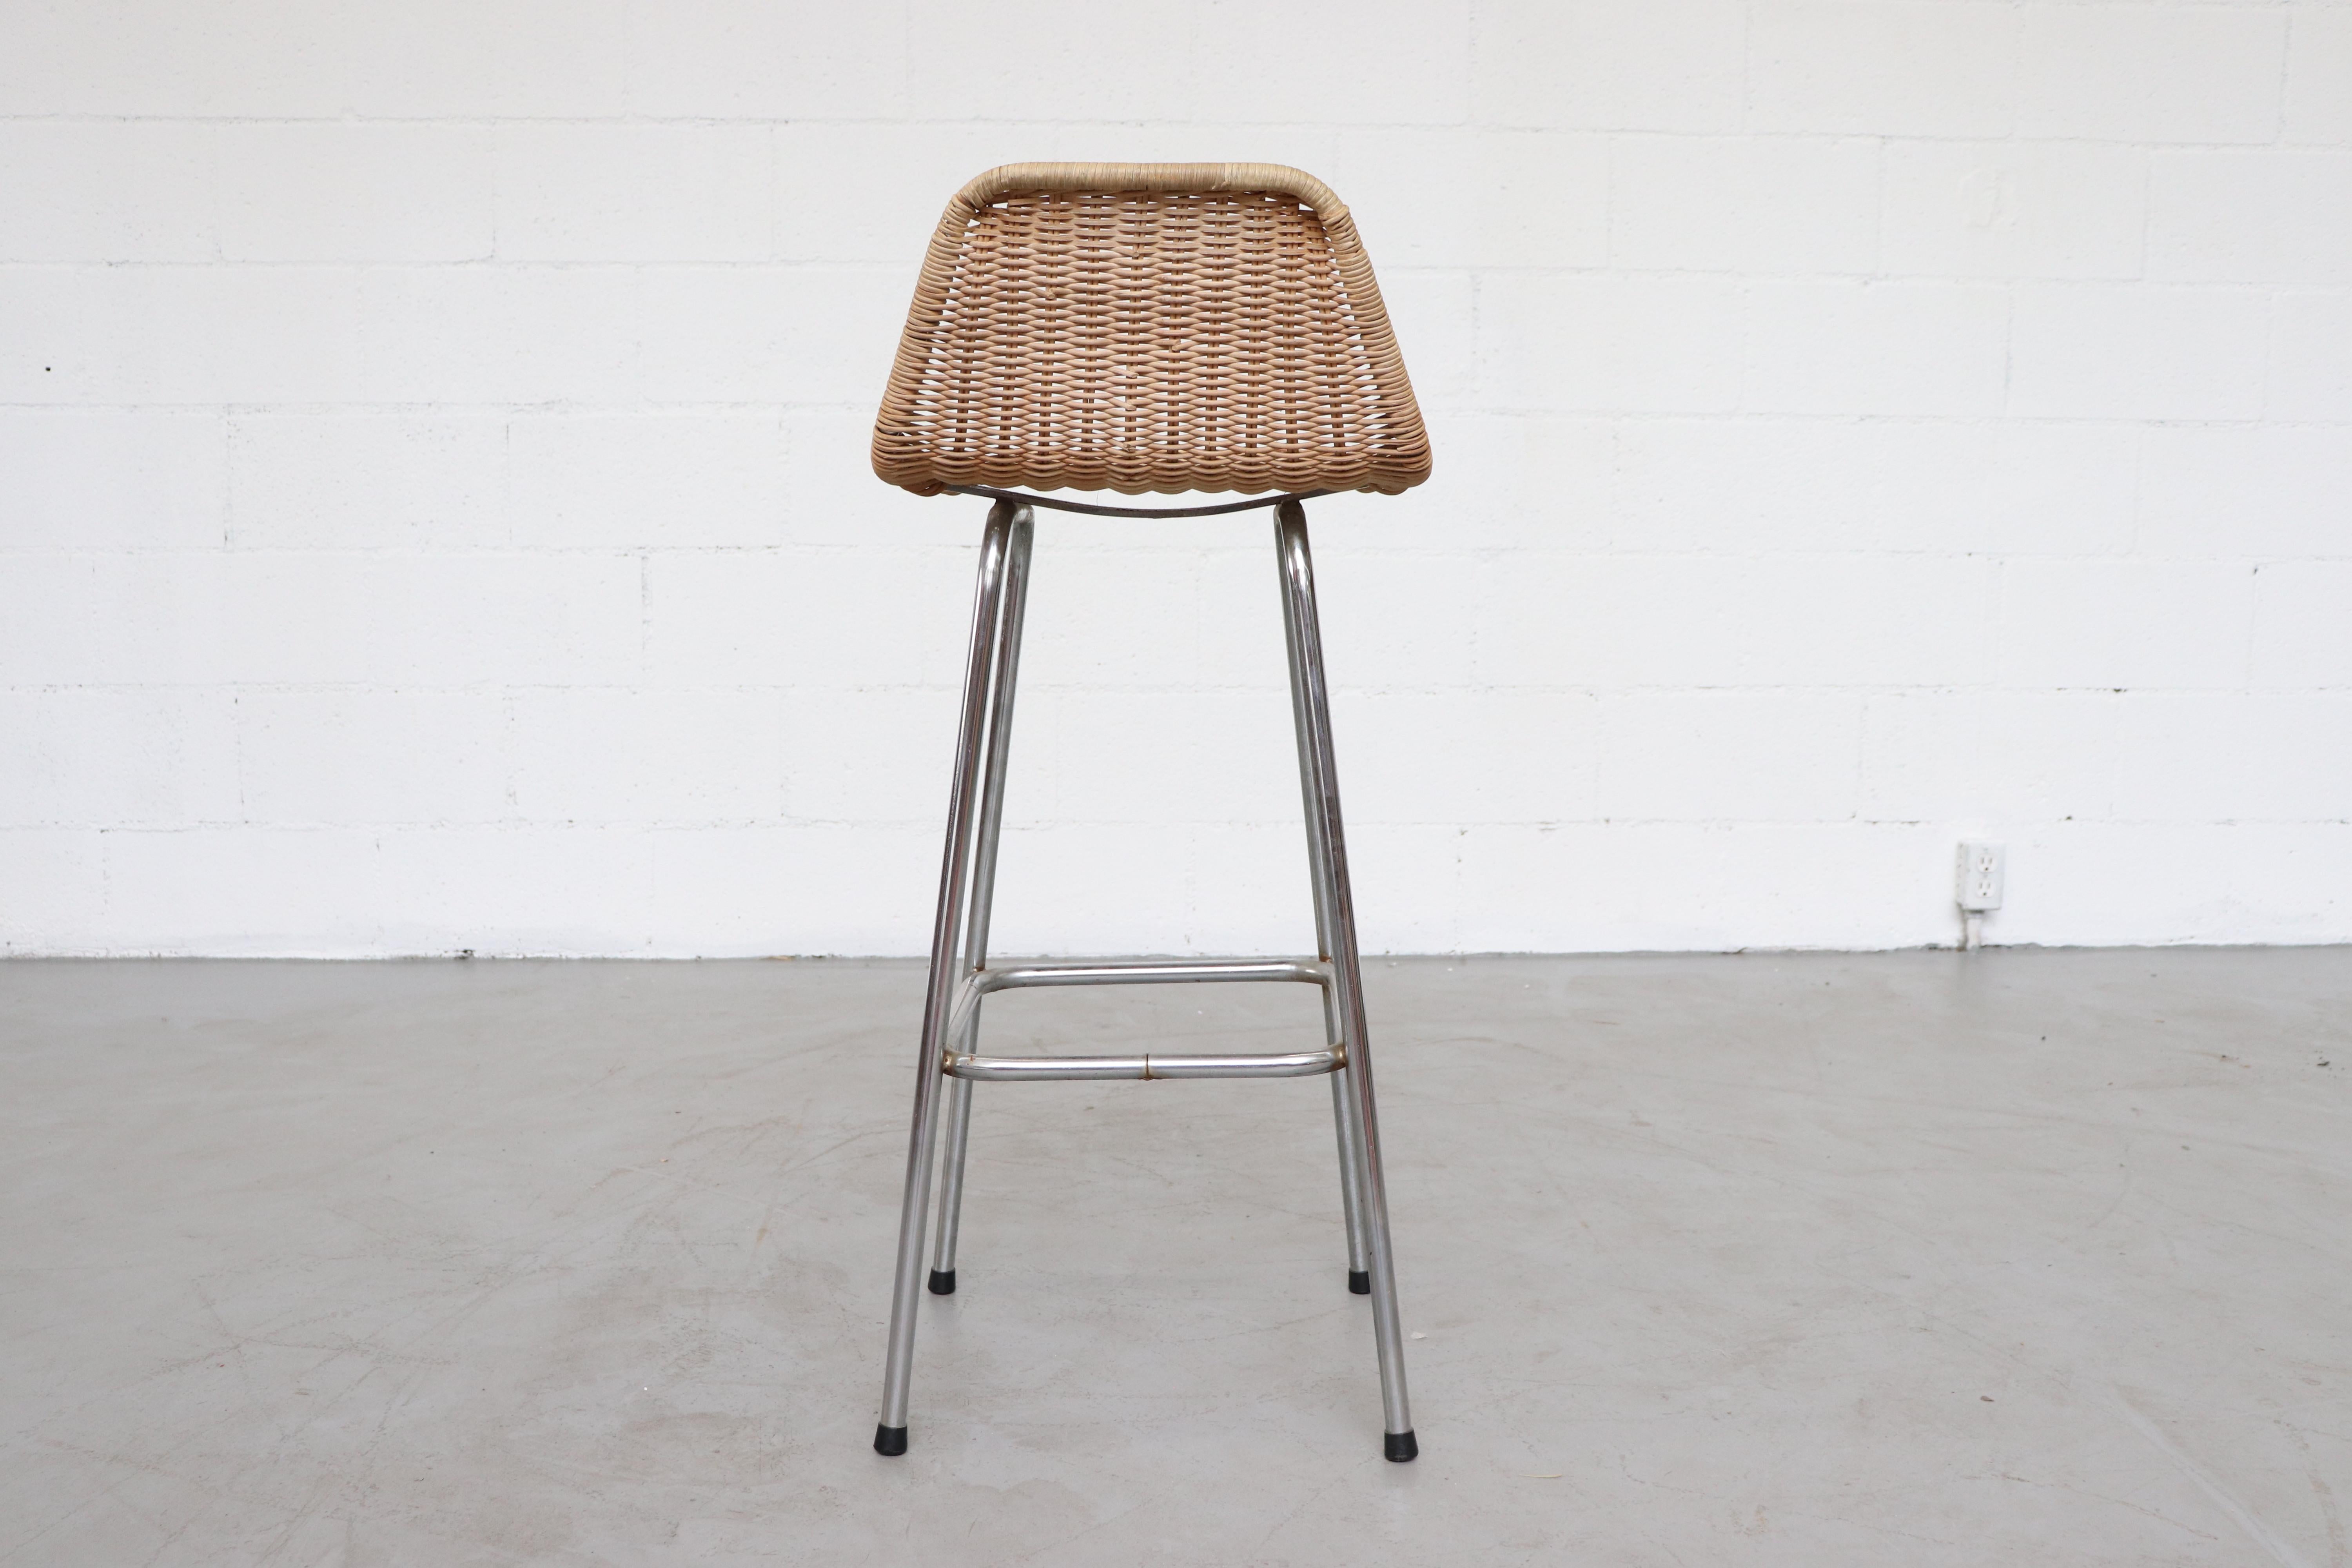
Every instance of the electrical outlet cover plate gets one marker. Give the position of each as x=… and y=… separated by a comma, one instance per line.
x=1980, y=875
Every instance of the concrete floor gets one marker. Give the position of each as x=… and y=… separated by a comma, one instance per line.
x=2030, y=1256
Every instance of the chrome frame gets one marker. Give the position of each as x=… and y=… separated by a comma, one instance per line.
x=961, y=978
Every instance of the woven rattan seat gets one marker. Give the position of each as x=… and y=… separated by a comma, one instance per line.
x=1148, y=328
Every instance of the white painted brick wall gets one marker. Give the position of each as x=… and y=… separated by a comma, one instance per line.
x=434, y=513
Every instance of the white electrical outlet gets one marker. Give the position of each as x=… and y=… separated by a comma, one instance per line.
x=1980, y=875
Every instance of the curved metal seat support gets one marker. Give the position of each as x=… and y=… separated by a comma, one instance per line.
x=1022, y=497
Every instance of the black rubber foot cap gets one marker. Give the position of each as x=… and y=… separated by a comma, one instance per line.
x=1399, y=1445
x=942, y=1281
x=892, y=1440
x=1358, y=1282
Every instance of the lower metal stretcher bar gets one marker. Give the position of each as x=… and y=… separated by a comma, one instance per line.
x=1038, y=1069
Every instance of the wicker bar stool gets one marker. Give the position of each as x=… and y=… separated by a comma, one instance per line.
x=1141, y=328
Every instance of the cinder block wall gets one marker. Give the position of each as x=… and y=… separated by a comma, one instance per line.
x=436, y=514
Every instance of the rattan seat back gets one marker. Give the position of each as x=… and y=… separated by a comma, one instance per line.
x=1148, y=327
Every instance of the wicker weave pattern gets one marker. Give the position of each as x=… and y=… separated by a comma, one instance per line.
x=1148, y=327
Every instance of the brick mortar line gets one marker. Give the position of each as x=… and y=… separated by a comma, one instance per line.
x=623, y=119
x=658, y=409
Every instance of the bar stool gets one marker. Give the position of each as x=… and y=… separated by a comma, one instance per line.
x=1143, y=328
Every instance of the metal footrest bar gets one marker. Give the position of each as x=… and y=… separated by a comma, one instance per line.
x=1043, y=1069
x=1190, y=971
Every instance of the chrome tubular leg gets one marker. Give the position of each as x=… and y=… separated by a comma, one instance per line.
x=1351, y=1180
x=890, y=1432
x=959, y=1133
x=983, y=887
x=1324, y=825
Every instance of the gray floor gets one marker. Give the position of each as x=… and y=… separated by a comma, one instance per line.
x=2028, y=1257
